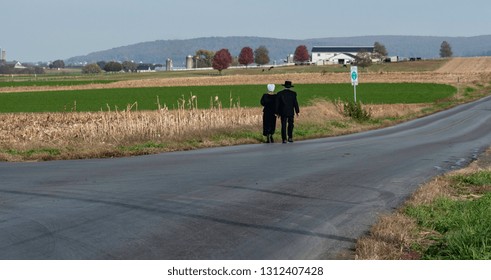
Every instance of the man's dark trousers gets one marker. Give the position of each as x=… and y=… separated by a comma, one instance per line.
x=287, y=106
x=284, y=121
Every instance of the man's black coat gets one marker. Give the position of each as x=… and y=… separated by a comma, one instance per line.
x=287, y=104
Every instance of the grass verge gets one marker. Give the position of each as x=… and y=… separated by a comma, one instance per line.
x=41, y=153
x=447, y=219
x=462, y=227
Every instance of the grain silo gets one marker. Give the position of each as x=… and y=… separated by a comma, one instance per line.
x=168, y=64
x=189, y=62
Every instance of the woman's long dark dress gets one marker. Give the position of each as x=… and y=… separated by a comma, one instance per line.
x=269, y=111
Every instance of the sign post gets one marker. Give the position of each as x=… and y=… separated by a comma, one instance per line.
x=354, y=78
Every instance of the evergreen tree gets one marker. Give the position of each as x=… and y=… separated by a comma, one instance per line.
x=113, y=66
x=57, y=64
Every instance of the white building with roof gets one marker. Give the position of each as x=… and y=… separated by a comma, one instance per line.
x=19, y=65
x=337, y=55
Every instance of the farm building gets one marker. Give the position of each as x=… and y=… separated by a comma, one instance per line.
x=145, y=68
x=337, y=55
x=19, y=65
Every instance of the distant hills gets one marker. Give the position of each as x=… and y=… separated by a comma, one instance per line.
x=279, y=49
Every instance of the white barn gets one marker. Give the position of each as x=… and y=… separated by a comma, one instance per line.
x=337, y=55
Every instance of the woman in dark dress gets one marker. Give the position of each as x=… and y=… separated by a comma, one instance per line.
x=268, y=100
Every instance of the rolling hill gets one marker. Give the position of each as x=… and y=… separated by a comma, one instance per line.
x=404, y=46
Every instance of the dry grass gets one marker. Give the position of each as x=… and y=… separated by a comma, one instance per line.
x=56, y=128
x=393, y=234
x=103, y=134
x=396, y=110
x=105, y=131
x=299, y=78
x=390, y=239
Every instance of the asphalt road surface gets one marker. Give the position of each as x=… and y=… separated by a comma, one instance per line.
x=306, y=200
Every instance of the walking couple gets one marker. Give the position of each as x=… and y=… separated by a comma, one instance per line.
x=284, y=105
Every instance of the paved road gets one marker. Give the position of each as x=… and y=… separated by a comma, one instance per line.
x=306, y=200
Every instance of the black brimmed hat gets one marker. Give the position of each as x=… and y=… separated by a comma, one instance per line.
x=288, y=84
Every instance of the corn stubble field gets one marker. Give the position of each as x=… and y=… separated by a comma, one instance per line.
x=45, y=136
x=98, y=133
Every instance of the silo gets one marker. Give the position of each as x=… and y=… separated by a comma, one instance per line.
x=168, y=64
x=189, y=62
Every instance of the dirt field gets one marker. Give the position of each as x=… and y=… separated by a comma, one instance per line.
x=457, y=70
x=467, y=65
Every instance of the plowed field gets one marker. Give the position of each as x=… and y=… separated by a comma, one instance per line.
x=467, y=65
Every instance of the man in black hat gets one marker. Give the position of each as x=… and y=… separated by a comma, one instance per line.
x=287, y=106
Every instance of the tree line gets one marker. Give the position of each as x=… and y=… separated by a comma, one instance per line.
x=222, y=59
x=219, y=60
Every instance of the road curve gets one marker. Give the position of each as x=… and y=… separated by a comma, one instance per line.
x=306, y=200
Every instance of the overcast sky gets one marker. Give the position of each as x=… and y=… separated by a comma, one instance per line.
x=44, y=30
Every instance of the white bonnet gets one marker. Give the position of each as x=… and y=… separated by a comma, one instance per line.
x=271, y=87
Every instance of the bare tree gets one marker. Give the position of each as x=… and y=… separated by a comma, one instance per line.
x=363, y=59
x=379, y=50
x=445, y=49
x=91, y=69
x=204, y=58
x=261, y=55
x=129, y=66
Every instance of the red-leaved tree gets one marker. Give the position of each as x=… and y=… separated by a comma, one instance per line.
x=301, y=54
x=246, y=56
x=222, y=60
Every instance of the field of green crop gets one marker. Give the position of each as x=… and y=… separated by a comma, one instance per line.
x=242, y=95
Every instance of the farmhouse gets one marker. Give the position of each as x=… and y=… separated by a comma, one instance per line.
x=337, y=55
x=19, y=65
x=145, y=68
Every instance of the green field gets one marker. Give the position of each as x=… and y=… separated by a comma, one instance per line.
x=243, y=95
